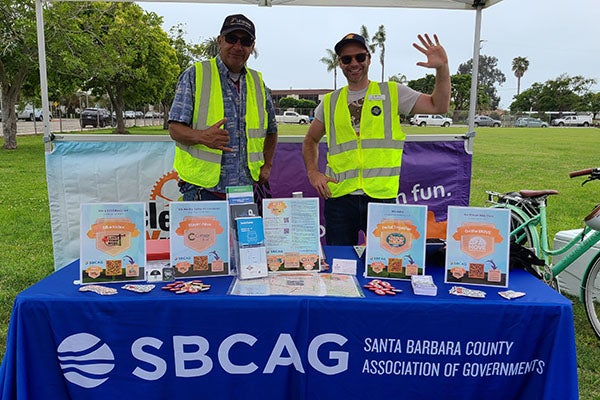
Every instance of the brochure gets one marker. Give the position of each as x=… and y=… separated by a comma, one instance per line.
x=396, y=237
x=199, y=233
x=241, y=204
x=292, y=234
x=252, y=250
x=477, y=246
x=112, y=242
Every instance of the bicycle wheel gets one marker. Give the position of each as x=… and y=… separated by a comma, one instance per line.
x=591, y=295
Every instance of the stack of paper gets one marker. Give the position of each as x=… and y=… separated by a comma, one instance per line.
x=423, y=285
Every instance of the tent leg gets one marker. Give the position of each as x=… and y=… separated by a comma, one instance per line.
x=41, y=39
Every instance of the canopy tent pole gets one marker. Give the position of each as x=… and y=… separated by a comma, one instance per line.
x=41, y=39
x=474, y=76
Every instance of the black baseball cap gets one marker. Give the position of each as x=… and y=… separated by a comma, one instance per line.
x=238, y=22
x=350, y=38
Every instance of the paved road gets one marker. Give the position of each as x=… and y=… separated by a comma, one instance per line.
x=72, y=125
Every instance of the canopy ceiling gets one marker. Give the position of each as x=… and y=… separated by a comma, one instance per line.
x=443, y=4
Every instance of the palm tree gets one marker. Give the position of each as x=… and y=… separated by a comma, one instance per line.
x=331, y=61
x=400, y=78
x=364, y=33
x=519, y=67
x=379, y=41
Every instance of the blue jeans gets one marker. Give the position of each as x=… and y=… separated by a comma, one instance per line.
x=194, y=193
x=346, y=216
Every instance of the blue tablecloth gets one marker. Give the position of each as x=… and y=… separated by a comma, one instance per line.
x=63, y=343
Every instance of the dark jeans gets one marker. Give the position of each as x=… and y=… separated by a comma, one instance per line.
x=346, y=216
x=194, y=193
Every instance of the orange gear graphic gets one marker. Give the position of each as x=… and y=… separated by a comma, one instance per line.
x=158, y=190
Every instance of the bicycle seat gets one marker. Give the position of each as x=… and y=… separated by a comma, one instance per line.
x=537, y=193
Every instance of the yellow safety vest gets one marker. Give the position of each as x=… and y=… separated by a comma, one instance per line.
x=201, y=165
x=369, y=161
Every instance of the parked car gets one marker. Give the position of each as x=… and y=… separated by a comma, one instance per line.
x=573, y=120
x=431, y=120
x=96, y=117
x=28, y=113
x=482, y=120
x=129, y=114
x=530, y=122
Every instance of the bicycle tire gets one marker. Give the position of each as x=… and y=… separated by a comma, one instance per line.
x=591, y=295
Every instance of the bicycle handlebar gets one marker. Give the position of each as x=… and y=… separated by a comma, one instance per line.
x=574, y=174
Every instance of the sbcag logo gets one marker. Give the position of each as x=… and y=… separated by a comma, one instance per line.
x=86, y=361
x=284, y=354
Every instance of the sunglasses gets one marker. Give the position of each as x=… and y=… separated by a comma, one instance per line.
x=246, y=41
x=360, y=57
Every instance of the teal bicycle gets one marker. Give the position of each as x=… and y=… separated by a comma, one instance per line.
x=529, y=229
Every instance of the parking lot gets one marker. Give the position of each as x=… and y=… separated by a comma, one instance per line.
x=65, y=125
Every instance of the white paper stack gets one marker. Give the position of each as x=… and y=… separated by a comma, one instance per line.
x=423, y=285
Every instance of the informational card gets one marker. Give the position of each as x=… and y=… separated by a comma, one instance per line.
x=199, y=236
x=112, y=242
x=292, y=234
x=396, y=237
x=477, y=246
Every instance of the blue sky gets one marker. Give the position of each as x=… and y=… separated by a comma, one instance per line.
x=555, y=36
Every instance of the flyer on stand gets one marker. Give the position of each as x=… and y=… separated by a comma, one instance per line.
x=396, y=238
x=292, y=234
x=477, y=246
x=199, y=236
x=112, y=242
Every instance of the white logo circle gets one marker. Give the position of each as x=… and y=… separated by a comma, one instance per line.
x=85, y=360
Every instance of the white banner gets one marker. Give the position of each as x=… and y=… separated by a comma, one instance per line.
x=108, y=171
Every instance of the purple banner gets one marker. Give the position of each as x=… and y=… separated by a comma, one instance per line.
x=434, y=173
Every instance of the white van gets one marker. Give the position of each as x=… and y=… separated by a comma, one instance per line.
x=573, y=120
x=431, y=120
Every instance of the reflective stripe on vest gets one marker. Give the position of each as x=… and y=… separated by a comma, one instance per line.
x=370, y=161
x=201, y=165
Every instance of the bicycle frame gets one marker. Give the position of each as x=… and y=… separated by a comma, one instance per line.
x=538, y=229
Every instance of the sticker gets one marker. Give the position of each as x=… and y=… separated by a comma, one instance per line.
x=138, y=288
x=102, y=290
x=376, y=110
x=511, y=294
x=377, y=97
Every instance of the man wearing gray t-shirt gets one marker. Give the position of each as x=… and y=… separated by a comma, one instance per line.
x=362, y=124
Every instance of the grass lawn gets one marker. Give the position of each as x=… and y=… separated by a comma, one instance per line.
x=504, y=159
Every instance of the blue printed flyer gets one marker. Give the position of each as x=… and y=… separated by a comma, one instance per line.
x=477, y=246
x=112, y=242
x=199, y=236
x=396, y=237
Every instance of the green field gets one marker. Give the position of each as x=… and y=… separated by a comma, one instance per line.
x=504, y=159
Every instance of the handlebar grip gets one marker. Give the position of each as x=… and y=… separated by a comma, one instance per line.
x=587, y=171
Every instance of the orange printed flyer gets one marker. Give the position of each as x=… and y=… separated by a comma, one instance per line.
x=112, y=242
x=199, y=238
x=396, y=238
x=477, y=246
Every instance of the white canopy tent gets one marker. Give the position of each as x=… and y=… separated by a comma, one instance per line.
x=73, y=180
x=476, y=5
